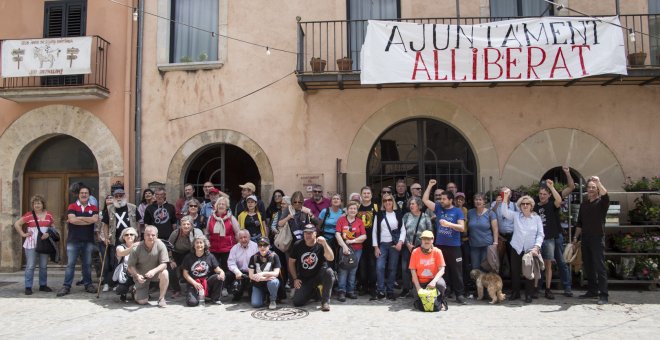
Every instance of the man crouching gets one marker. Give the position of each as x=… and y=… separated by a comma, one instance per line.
x=308, y=268
x=427, y=265
x=147, y=263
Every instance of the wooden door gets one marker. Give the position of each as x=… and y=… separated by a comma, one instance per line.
x=53, y=189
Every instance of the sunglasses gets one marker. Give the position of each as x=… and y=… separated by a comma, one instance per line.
x=264, y=245
x=130, y=235
x=192, y=206
x=318, y=191
x=387, y=200
x=416, y=188
x=297, y=202
x=525, y=203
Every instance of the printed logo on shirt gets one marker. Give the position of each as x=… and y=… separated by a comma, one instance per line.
x=309, y=260
x=200, y=268
x=161, y=215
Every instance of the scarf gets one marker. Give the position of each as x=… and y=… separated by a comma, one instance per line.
x=219, y=224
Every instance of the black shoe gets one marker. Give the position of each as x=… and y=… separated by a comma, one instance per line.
x=351, y=296
x=341, y=297
x=588, y=295
x=122, y=297
x=515, y=296
x=549, y=295
x=528, y=299
x=535, y=294
x=602, y=300
x=380, y=295
x=45, y=289
x=405, y=293
x=461, y=300
x=90, y=289
x=236, y=298
x=80, y=283
x=568, y=293
x=28, y=291
x=449, y=294
x=391, y=296
x=63, y=291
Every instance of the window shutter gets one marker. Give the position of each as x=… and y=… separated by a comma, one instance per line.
x=65, y=18
x=54, y=20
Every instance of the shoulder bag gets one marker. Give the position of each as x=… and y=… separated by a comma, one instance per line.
x=43, y=246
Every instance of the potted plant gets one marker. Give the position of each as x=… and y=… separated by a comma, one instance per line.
x=624, y=242
x=642, y=184
x=636, y=59
x=645, y=212
x=345, y=64
x=647, y=269
x=317, y=64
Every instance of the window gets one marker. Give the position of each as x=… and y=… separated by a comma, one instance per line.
x=66, y=18
x=361, y=11
x=519, y=8
x=188, y=44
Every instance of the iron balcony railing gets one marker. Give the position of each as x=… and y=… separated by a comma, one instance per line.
x=334, y=45
x=98, y=77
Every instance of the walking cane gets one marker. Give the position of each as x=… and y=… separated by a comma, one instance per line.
x=105, y=253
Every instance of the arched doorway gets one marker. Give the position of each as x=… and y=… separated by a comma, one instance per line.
x=226, y=166
x=421, y=149
x=52, y=167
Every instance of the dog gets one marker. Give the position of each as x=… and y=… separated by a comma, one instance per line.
x=492, y=282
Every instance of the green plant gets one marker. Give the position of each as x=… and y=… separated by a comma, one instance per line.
x=203, y=56
x=186, y=59
x=642, y=184
x=624, y=242
x=533, y=189
x=647, y=268
x=645, y=209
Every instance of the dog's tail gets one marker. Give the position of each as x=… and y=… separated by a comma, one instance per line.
x=501, y=296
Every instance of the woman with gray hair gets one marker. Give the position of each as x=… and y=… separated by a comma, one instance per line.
x=203, y=274
x=222, y=231
x=416, y=222
x=128, y=239
x=482, y=230
x=182, y=240
x=527, y=237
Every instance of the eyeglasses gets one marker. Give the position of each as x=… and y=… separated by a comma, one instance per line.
x=387, y=200
x=263, y=245
x=386, y=192
x=525, y=203
x=208, y=186
x=297, y=202
x=415, y=188
x=130, y=235
x=193, y=206
x=318, y=191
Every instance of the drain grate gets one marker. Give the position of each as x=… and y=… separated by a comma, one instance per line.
x=280, y=314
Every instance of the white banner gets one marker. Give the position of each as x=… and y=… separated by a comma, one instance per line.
x=46, y=57
x=546, y=48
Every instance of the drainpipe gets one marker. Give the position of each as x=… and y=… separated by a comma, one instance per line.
x=618, y=7
x=138, y=103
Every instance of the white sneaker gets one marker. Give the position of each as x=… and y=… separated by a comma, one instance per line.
x=106, y=287
x=273, y=305
x=224, y=292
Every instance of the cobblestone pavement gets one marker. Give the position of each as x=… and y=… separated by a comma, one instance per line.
x=633, y=313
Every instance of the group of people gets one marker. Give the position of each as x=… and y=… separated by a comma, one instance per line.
x=206, y=249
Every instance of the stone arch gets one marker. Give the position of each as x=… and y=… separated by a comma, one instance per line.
x=419, y=107
x=23, y=136
x=558, y=146
x=187, y=152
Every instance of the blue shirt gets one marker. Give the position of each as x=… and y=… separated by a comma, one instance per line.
x=445, y=236
x=330, y=225
x=479, y=228
x=504, y=225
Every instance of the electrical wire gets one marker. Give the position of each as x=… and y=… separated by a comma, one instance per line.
x=233, y=100
x=213, y=34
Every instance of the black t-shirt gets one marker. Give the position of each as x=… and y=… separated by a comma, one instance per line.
x=550, y=216
x=309, y=260
x=162, y=217
x=200, y=267
x=367, y=213
x=121, y=214
x=252, y=225
x=401, y=202
x=266, y=263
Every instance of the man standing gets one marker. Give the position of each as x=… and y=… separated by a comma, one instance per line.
x=121, y=215
x=247, y=190
x=238, y=262
x=450, y=222
x=148, y=263
x=206, y=187
x=317, y=203
x=181, y=204
x=367, y=265
x=401, y=196
x=427, y=266
x=207, y=207
x=308, y=268
x=590, y=224
x=161, y=215
x=80, y=242
x=504, y=225
x=451, y=186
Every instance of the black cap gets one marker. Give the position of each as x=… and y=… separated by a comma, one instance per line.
x=263, y=240
x=309, y=228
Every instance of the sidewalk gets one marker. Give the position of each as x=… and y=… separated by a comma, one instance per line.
x=634, y=314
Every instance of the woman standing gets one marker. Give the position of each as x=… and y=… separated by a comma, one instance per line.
x=527, y=237
x=147, y=198
x=389, y=233
x=482, y=226
x=273, y=209
x=251, y=220
x=299, y=217
x=222, y=231
x=416, y=222
x=329, y=217
x=198, y=220
x=44, y=219
x=349, y=232
x=129, y=239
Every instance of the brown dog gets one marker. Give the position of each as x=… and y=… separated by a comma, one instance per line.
x=491, y=281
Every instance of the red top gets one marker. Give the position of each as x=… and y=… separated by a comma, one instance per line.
x=351, y=231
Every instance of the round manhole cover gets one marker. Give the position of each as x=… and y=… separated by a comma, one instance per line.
x=280, y=314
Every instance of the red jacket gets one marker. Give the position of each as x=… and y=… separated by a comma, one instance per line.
x=222, y=244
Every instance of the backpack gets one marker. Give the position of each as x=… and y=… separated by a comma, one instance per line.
x=429, y=300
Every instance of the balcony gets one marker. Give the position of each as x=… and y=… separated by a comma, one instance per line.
x=92, y=86
x=338, y=43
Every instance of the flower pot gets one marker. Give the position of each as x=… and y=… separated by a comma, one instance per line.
x=345, y=64
x=317, y=64
x=636, y=59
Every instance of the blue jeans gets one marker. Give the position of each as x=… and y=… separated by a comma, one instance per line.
x=346, y=279
x=257, y=299
x=477, y=255
x=73, y=250
x=390, y=256
x=31, y=256
x=564, y=271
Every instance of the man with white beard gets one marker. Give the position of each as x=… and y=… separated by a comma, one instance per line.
x=120, y=215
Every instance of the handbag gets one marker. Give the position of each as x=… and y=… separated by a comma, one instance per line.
x=347, y=262
x=43, y=246
x=119, y=275
x=283, y=238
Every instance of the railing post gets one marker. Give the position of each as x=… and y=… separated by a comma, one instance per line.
x=301, y=47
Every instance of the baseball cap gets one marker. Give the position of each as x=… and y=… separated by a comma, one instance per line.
x=309, y=228
x=263, y=240
x=248, y=185
x=460, y=194
x=252, y=197
x=427, y=234
x=119, y=191
x=214, y=191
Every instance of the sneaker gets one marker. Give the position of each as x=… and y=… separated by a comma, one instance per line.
x=352, y=295
x=588, y=295
x=162, y=303
x=528, y=299
x=549, y=295
x=63, y=291
x=122, y=297
x=535, y=293
x=217, y=302
x=28, y=291
x=45, y=289
x=80, y=283
x=106, y=287
x=461, y=300
x=405, y=293
x=391, y=296
x=341, y=296
x=602, y=300
x=380, y=295
x=272, y=305
x=224, y=292
x=568, y=293
x=514, y=297
x=325, y=307
x=90, y=289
